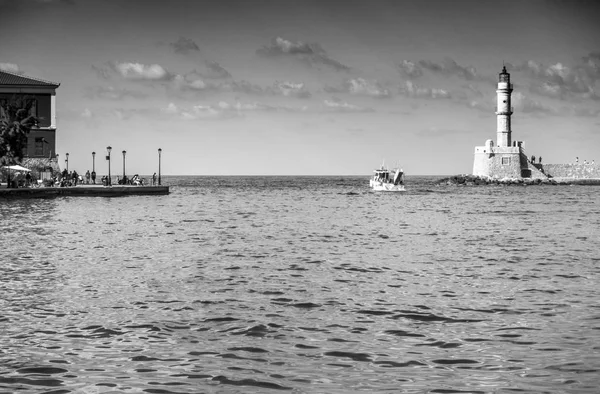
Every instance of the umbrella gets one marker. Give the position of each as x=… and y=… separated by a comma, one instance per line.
x=17, y=168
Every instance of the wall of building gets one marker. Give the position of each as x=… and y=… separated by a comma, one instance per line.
x=572, y=170
x=48, y=148
x=480, y=161
x=499, y=169
x=497, y=162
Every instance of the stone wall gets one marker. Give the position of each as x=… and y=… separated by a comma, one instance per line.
x=497, y=162
x=512, y=169
x=572, y=170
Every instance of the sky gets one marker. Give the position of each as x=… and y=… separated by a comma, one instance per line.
x=308, y=87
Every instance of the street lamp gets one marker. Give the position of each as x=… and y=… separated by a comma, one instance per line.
x=124, y=152
x=108, y=149
x=67, y=161
x=159, y=152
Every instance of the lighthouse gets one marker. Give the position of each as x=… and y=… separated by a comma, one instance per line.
x=503, y=109
x=505, y=158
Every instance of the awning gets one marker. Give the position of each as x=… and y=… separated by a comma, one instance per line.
x=17, y=168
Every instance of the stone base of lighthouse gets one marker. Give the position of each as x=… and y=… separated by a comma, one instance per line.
x=504, y=162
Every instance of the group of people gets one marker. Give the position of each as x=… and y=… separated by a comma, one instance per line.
x=72, y=178
x=585, y=162
x=134, y=180
x=533, y=159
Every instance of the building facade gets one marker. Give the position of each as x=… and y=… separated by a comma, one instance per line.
x=41, y=142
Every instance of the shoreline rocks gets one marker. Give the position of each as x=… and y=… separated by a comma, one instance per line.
x=475, y=180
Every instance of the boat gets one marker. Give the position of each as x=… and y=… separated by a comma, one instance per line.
x=385, y=180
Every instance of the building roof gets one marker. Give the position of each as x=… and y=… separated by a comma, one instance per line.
x=12, y=79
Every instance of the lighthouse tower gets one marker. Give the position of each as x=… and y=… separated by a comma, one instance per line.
x=503, y=109
x=505, y=159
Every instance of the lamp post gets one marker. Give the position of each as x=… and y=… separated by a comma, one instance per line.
x=159, y=152
x=108, y=149
x=124, y=152
x=67, y=161
x=93, y=161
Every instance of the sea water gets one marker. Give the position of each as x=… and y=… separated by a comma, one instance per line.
x=302, y=284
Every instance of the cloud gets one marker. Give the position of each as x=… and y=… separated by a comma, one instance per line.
x=139, y=71
x=133, y=72
x=591, y=65
x=112, y=93
x=474, y=89
x=562, y=82
x=410, y=89
x=437, y=132
x=125, y=114
x=291, y=89
x=308, y=53
x=184, y=46
x=101, y=72
x=337, y=105
x=194, y=82
x=87, y=114
x=259, y=107
x=449, y=67
x=360, y=86
x=531, y=106
x=223, y=110
x=191, y=81
x=11, y=68
x=241, y=87
x=410, y=69
x=170, y=109
x=215, y=71
x=584, y=112
x=487, y=107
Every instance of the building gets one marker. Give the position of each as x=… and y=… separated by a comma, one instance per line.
x=41, y=142
x=506, y=158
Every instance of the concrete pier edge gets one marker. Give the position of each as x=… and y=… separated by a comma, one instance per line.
x=83, y=191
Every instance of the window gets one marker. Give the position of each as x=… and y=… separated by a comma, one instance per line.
x=3, y=102
x=39, y=147
x=33, y=110
x=505, y=161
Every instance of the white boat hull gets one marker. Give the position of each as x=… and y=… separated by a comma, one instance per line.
x=386, y=187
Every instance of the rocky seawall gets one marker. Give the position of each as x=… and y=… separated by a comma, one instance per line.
x=474, y=180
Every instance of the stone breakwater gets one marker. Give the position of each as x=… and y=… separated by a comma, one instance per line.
x=474, y=180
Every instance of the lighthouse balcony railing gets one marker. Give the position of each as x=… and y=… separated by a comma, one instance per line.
x=508, y=85
x=511, y=110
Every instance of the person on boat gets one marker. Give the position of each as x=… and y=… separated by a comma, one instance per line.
x=399, y=178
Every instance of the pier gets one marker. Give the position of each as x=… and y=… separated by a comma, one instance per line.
x=83, y=191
